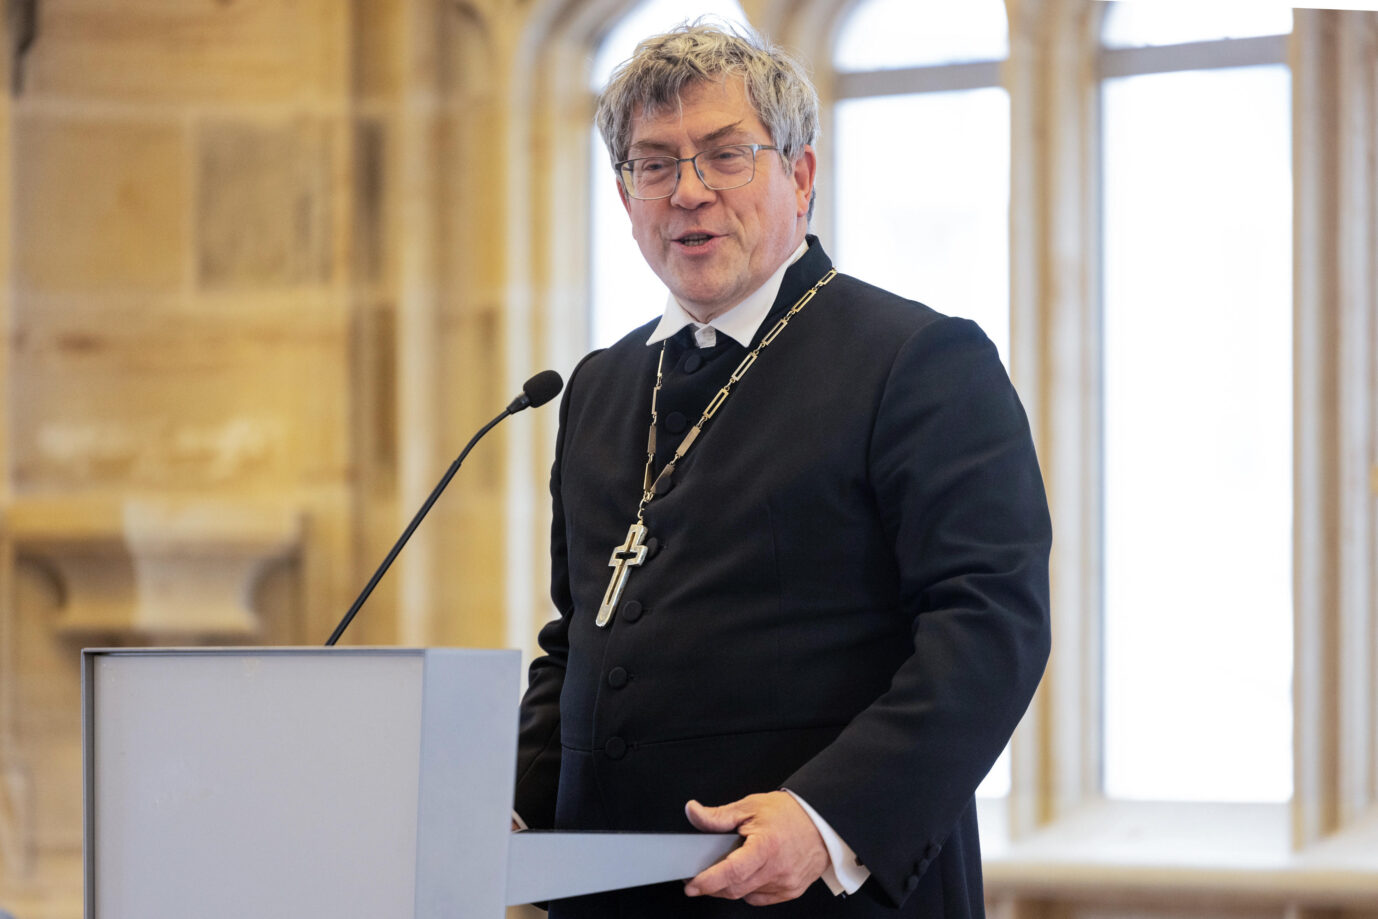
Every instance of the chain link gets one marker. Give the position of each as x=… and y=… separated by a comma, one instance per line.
x=650, y=487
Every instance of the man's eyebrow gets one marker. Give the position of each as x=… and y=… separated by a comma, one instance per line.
x=652, y=146
x=720, y=133
x=703, y=142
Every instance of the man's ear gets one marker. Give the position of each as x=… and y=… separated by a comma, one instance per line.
x=804, y=172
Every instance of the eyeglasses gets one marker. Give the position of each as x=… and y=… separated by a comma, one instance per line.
x=650, y=177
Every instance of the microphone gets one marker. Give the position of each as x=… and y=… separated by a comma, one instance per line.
x=536, y=391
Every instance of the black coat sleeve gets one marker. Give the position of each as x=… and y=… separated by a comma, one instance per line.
x=958, y=489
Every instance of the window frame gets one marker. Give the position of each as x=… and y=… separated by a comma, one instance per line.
x=1055, y=840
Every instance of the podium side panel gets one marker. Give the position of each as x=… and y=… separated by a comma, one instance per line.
x=263, y=782
x=468, y=757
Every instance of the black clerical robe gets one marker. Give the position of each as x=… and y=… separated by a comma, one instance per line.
x=846, y=596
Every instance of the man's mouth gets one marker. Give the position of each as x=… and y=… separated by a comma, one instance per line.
x=694, y=239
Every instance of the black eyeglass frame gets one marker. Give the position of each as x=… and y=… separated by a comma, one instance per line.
x=624, y=169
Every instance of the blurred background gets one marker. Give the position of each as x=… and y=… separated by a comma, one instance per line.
x=268, y=264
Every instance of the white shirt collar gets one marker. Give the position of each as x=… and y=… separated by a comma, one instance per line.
x=739, y=323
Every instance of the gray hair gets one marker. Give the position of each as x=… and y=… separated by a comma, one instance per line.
x=663, y=65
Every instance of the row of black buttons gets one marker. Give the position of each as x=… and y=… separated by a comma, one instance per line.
x=618, y=677
x=675, y=422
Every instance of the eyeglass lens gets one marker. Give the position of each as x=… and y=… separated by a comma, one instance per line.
x=720, y=169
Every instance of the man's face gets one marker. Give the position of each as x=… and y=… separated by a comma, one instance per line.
x=713, y=248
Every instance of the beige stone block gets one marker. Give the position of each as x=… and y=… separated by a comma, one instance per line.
x=98, y=204
x=470, y=554
x=465, y=51
x=472, y=380
x=374, y=381
x=150, y=396
x=212, y=51
x=472, y=181
x=47, y=696
x=379, y=61
x=373, y=256
x=264, y=204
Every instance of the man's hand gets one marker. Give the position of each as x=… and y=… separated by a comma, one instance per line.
x=781, y=856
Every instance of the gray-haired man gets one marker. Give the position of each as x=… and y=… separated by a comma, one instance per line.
x=818, y=599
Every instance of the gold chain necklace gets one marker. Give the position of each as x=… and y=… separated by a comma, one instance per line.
x=633, y=550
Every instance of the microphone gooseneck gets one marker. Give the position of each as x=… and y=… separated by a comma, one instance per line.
x=538, y=390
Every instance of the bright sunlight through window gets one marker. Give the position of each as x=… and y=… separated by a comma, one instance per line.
x=1198, y=425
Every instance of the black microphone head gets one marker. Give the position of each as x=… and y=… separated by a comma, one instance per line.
x=543, y=387
x=538, y=390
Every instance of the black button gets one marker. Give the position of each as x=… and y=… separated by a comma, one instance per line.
x=931, y=851
x=913, y=882
x=675, y=422
x=616, y=748
x=692, y=362
x=652, y=547
x=617, y=677
x=631, y=611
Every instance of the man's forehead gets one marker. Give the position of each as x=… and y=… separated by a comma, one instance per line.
x=720, y=108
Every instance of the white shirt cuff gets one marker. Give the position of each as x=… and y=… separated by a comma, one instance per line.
x=845, y=873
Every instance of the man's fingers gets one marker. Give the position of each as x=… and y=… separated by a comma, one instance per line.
x=780, y=856
x=723, y=819
x=733, y=878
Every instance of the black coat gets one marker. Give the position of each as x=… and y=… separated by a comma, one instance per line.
x=848, y=595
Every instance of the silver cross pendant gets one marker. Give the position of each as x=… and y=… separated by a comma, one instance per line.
x=625, y=557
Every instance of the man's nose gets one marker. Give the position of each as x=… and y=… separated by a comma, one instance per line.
x=690, y=192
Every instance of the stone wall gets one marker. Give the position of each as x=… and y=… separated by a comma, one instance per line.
x=238, y=235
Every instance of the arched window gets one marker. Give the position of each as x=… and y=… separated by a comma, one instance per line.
x=1197, y=320
x=624, y=292
x=922, y=140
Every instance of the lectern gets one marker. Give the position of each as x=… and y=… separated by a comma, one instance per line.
x=291, y=782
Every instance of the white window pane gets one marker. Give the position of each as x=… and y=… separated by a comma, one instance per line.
x=1138, y=24
x=997, y=781
x=652, y=17
x=923, y=195
x=1198, y=421
x=625, y=292
x=885, y=34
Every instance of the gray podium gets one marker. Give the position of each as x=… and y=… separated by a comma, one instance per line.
x=292, y=782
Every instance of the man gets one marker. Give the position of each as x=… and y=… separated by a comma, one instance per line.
x=814, y=613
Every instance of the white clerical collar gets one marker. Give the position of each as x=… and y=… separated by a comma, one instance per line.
x=739, y=323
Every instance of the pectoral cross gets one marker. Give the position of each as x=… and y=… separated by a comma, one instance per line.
x=625, y=557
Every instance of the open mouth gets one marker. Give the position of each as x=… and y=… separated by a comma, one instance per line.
x=694, y=239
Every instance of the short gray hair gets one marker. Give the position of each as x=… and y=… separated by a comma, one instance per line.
x=700, y=52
